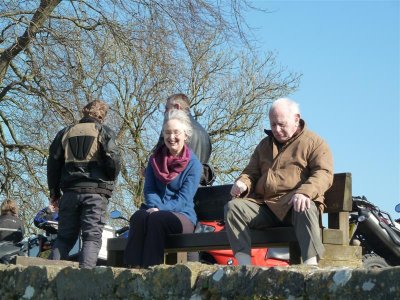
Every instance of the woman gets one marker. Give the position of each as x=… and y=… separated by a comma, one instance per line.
x=171, y=180
x=11, y=227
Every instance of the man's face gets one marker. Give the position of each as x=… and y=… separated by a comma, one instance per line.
x=283, y=123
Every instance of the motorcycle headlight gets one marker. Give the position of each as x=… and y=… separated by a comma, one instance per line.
x=204, y=228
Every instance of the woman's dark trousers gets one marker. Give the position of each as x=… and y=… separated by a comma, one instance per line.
x=147, y=235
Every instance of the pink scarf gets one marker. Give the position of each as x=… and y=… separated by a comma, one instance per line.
x=167, y=167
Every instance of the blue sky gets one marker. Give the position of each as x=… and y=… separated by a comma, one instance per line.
x=348, y=53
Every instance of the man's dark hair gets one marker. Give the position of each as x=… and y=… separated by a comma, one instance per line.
x=180, y=99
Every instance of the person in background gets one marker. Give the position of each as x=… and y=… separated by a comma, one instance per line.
x=283, y=184
x=171, y=181
x=11, y=227
x=200, y=142
x=83, y=163
x=47, y=219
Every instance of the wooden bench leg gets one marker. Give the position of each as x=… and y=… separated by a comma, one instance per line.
x=295, y=254
x=115, y=258
x=181, y=257
x=175, y=258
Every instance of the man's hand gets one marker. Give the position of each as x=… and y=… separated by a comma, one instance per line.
x=238, y=188
x=151, y=210
x=300, y=202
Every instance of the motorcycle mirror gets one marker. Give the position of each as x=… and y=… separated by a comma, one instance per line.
x=115, y=214
x=397, y=208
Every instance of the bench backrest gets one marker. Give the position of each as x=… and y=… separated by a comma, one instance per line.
x=210, y=200
x=339, y=197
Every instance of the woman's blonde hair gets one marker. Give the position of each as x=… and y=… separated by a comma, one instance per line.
x=9, y=206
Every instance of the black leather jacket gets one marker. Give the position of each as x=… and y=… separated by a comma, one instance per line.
x=200, y=141
x=91, y=177
x=11, y=228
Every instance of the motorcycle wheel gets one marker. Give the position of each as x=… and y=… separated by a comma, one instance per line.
x=373, y=261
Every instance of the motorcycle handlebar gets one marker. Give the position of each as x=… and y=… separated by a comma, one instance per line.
x=121, y=230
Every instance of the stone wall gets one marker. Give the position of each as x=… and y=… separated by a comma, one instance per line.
x=197, y=281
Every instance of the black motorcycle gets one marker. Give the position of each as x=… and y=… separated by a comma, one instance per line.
x=42, y=244
x=44, y=241
x=122, y=232
x=376, y=232
x=10, y=250
x=13, y=245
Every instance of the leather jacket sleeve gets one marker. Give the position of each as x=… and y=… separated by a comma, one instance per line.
x=55, y=163
x=112, y=154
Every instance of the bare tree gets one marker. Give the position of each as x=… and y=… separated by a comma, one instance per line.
x=133, y=54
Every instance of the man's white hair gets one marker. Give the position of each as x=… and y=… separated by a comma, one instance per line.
x=293, y=106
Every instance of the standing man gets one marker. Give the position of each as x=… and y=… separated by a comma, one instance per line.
x=283, y=184
x=200, y=142
x=83, y=163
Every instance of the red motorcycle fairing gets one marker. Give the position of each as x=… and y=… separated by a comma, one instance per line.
x=259, y=256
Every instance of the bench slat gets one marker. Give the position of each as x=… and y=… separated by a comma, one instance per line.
x=219, y=240
x=215, y=240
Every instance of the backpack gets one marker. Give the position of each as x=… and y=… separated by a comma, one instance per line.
x=208, y=175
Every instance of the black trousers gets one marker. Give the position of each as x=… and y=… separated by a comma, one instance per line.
x=147, y=235
x=85, y=213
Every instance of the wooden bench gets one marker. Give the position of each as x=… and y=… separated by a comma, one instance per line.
x=209, y=204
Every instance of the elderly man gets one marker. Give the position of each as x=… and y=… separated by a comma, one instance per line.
x=283, y=184
x=84, y=162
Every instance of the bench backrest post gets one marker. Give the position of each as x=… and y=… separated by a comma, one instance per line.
x=338, y=200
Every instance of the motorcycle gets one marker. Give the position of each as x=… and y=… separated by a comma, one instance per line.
x=47, y=220
x=12, y=245
x=122, y=232
x=267, y=257
x=44, y=241
x=376, y=232
x=10, y=250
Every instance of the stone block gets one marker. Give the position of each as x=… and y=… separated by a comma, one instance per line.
x=333, y=236
x=198, y=281
x=341, y=255
x=37, y=261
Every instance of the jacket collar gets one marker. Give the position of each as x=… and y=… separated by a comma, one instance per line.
x=270, y=134
x=89, y=120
